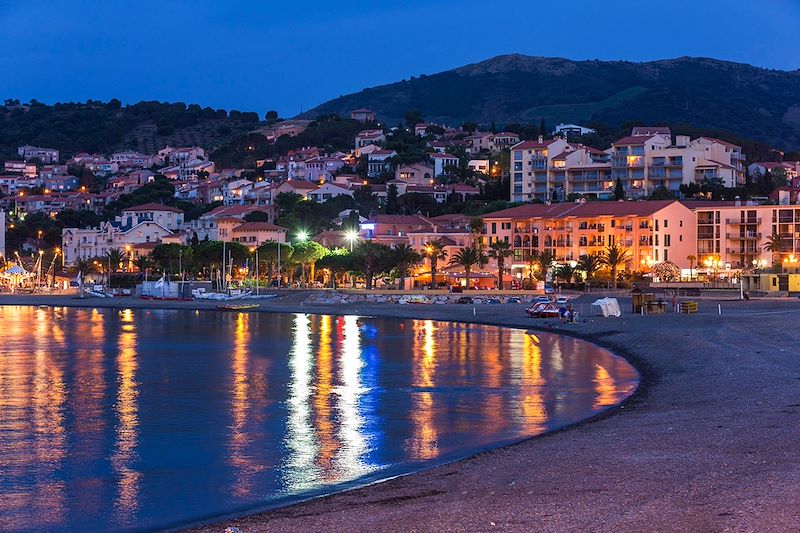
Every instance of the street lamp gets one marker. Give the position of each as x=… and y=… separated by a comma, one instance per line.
x=352, y=237
x=302, y=236
x=254, y=250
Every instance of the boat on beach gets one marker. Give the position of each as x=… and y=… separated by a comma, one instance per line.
x=238, y=307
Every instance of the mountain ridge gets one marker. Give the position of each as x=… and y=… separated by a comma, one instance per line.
x=705, y=92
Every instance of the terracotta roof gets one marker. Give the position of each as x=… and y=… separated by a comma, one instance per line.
x=588, y=209
x=633, y=140
x=299, y=184
x=152, y=206
x=530, y=145
x=257, y=226
x=720, y=141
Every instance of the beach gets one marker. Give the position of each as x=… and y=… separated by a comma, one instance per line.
x=709, y=442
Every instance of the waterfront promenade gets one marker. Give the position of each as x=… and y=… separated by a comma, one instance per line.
x=709, y=443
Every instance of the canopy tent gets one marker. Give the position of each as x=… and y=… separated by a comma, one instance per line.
x=606, y=307
x=15, y=276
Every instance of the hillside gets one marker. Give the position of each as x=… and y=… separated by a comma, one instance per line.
x=107, y=126
x=748, y=101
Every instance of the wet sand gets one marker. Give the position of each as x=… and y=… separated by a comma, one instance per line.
x=710, y=442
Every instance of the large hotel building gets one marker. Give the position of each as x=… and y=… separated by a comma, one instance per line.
x=550, y=170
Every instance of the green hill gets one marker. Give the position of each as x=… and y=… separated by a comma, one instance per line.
x=107, y=126
x=717, y=95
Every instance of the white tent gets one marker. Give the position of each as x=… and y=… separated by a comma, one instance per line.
x=606, y=307
x=15, y=275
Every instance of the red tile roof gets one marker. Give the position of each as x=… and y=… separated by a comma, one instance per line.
x=634, y=140
x=531, y=145
x=257, y=226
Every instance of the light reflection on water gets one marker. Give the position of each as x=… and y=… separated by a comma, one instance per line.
x=116, y=419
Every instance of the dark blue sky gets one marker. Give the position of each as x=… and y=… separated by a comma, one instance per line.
x=261, y=55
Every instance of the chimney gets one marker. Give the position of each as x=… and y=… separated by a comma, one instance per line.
x=681, y=140
x=737, y=201
x=541, y=138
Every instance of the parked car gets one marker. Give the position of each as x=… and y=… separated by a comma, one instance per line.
x=541, y=300
x=464, y=300
x=549, y=290
x=562, y=300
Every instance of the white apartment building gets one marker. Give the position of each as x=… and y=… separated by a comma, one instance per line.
x=45, y=155
x=643, y=162
x=533, y=175
x=147, y=223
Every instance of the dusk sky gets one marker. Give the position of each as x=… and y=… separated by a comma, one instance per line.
x=256, y=56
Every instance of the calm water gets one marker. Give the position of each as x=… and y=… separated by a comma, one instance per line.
x=142, y=419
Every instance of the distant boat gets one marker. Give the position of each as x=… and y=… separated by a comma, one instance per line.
x=238, y=307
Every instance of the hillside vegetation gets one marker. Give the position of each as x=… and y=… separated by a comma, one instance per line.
x=103, y=127
x=747, y=101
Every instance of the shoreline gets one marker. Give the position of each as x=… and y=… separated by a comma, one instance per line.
x=707, y=440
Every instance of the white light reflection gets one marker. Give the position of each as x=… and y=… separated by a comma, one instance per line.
x=301, y=470
x=350, y=461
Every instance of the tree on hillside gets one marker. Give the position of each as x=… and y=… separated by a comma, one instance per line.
x=619, y=190
x=392, y=204
x=256, y=216
x=413, y=117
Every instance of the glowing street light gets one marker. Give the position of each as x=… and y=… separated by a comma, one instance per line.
x=352, y=237
x=302, y=236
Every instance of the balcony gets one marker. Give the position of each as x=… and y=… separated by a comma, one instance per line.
x=737, y=221
x=739, y=251
x=749, y=236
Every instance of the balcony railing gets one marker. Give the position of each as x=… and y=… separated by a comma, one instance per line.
x=737, y=221
x=750, y=236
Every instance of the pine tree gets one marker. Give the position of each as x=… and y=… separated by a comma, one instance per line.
x=542, y=128
x=391, y=200
x=619, y=190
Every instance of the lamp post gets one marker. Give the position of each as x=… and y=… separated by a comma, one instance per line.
x=302, y=236
x=352, y=237
x=254, y=250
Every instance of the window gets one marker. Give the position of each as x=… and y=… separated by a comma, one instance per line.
x=656, y=224
x=494, y=228
x=666, y=223
x=667, y=241
x=666, y=255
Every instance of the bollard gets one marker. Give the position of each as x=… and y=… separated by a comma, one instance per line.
x=719, y=308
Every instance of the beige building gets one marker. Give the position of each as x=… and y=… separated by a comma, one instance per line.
x=735, y=236
x=651, y=232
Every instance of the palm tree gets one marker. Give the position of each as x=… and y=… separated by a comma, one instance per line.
x=114, y=257
x=613, y=257
x=83, y=267
x=404, y=258
x=589, y=264
x=144, y=263
x=435, y=251
x=467, y=257
x=566, y=272
x=775, y=246
x=476, y=228
x=545, y=260
x=500, y=250
x=691, y=259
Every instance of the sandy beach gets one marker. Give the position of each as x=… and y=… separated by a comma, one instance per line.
x=710, y=441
